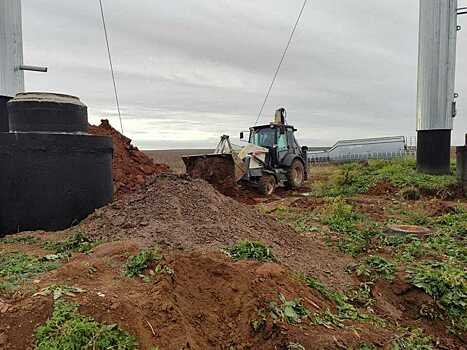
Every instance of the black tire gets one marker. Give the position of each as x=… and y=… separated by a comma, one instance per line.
x=296, y=174
x=267, y=185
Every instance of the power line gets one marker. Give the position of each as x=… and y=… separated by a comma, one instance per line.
x=110, y=64
x=281, y=61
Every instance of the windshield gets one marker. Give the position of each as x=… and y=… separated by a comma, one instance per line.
x=264, y=137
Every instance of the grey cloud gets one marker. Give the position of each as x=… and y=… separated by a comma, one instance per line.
x=203, y=66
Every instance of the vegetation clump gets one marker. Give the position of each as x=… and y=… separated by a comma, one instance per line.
x=344, y=310
x=136, y=264
x=413, y=340
x=446, y=283
x=20, y=239
x=289, y=311
x=355, y=230
x=77, y=243
x=67, y=329
x=16, y=268
x=410, y=193
x=354, y=178
x=248, y=250
x=374, y=267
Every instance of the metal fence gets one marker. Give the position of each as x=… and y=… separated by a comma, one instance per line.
x=324, y=158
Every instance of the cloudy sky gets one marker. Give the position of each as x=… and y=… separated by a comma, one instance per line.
x=188, y=71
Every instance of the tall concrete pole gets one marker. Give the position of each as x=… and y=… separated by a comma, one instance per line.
x=11, y=56
x=436, y=78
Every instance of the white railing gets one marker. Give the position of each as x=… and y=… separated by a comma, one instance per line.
x=324, y=158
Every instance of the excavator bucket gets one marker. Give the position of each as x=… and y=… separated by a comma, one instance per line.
x=221, y=170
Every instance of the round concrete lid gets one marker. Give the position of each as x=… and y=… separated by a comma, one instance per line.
x=408, y=229
x=48, y=97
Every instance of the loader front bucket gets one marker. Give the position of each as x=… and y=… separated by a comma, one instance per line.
x=221, y=170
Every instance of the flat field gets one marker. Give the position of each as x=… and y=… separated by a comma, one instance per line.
x=173, y=158
x=364, y=256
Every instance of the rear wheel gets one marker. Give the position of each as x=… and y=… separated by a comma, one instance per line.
x=296, y=174
x=267, y=185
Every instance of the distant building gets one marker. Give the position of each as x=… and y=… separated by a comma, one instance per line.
x=362, y=149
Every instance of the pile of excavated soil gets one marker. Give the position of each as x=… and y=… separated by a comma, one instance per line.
x=182, y=213
x=207, y=303
x=130, y=167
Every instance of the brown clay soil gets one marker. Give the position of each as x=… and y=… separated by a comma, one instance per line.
x=208, y=303
x=183, y=213
x=210, y=300
x=131, y=168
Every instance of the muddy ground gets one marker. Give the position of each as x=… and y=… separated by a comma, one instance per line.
x=208, y=300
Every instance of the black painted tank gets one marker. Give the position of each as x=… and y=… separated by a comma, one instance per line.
x=47, y=112
x=51, y=179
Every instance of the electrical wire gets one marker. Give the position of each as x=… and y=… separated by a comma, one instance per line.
x=111, y=64
x=281, y=61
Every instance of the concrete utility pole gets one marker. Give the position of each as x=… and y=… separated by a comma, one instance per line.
x=11, y=56
x=436, y=106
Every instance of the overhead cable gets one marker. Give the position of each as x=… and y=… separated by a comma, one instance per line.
x=111, y=64
x=281, y=61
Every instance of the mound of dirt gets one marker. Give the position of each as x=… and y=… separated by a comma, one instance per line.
x=130, y=167
x=183, y=213
x=208, y=302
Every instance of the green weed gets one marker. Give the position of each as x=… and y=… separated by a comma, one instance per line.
x=20, y=239
x=374, y=267
x=67, y=329
x=247, y=250
x=354, y=178
x=413, y=340
x=355, y=230
x=361, y=295
x=288, y=311
x=345, y=310
x=16, y=268
x=446, y=283
x=136, y=264
x=76, y=243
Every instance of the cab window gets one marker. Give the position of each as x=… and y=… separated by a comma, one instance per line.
x=263, y=137
x=282, y=142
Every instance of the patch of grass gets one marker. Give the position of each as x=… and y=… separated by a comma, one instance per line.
x=374, y=267
x=410, y=193
x=20, y=239
x=356, y=231
x=354, y=178
x=345, y=310
x=17, y=268
x=454, y=223
x=67, y=329
x=361, y=295
x=439, y=245
x=76, y=243
x=289, y=311
x=413, y=340
x=247, y=250
x=136, y=264
x=446, y=283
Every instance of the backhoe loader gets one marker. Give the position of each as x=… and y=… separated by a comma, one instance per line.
x=271, y=158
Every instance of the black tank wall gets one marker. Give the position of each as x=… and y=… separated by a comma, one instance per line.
x=434, y=151
x=52, y=181
x=4, y=113
x=47, y=117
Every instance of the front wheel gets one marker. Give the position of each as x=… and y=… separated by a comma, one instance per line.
x=296, y=174
x=267, y=185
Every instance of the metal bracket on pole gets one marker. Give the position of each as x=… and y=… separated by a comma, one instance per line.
x=461, y=10
x=33, y=68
